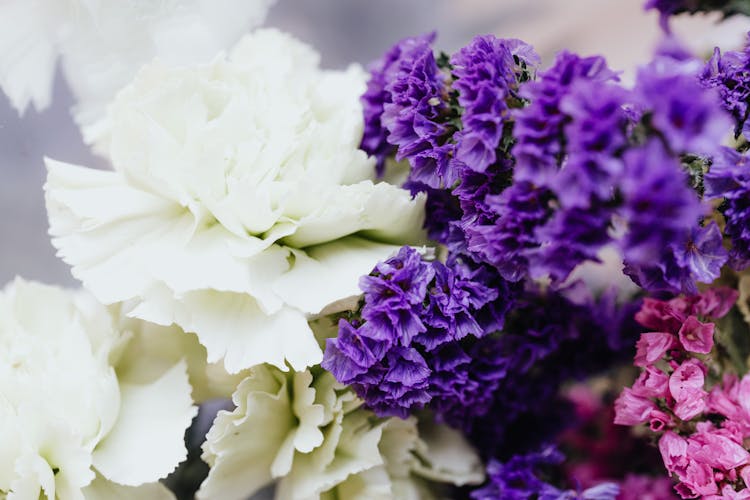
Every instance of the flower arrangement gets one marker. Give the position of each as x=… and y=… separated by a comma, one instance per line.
x=383, y=278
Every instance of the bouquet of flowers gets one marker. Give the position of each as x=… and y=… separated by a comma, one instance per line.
x=381, y=283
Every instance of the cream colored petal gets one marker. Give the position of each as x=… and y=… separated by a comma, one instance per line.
x=146, y=442
x=108, y=46
x=356, y=450
x=381, y=212
x=447, y=456
x=241, y=445
x=28, y=52
x=328, y=273
x=102, y=489
x=121, y=241
x=153, y=349
x=232, y=327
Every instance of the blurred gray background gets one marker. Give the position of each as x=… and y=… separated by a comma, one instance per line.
x=343, y=31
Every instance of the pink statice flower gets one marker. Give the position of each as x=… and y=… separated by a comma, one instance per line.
x=702, y=426
x=631, y=409
x=652, y=346
x=696, y=336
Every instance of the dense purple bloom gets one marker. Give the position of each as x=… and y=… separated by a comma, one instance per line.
x=486, y=73
x=522, y=477
x=730, y=75
x=571, y=237
x=548, y=339
x=555, y=215
x=656, y=195
x=596, y=136
x=538, y=130
x=729, y=178
x=521, y=209
x=406, y=335
x=680, y=264
x=687, y=114
x=414, y=112
x=382, y=72
x=518, y=478
x=394, y=293
x=443, y=215
x=659, y=206
x=464, y=379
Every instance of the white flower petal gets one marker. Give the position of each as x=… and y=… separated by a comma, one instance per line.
x=380, y=211
x=154, y=349
x=242, y=445
x=102, y=489
x=146, y=442
x=448, y=457
x=354, y=443
x=63, y=410
x=330, y=272
x=27, y=51
x=232, y=326
x=112, y=43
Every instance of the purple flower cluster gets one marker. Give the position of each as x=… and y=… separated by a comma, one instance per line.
x=539, y=127
x=522, y=478
x=680, y=117
x=546, y=223
x=534, y=176
x=729, y=179
x=730, y=75
x=403, y=108
x=486, y=74
x=460, y=113
x=402, y=350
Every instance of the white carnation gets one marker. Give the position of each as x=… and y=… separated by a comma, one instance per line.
x=240, y=203
x=71, y=426
x=312, y=437
x=101, y=45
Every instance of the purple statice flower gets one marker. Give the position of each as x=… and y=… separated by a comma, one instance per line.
x=464, y=379
x=443, y=215
x=414, y=114
x=595, y=135
x=570, y=237
x=688, y=116
x=519, y=477
x=397, y=385
x=539, y=127
x=556, y=214
x=659, y=206
x=522, y=477
x=486, y=75
x=382, y=73
x=394, y=294
x=729, y=178
x=505, y=242
x=664, y=248
x=730, y=75
x=394, y=352
x=656, y=195
x=681, y=263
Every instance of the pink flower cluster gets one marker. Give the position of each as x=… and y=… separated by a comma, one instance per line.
x=702, y=429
